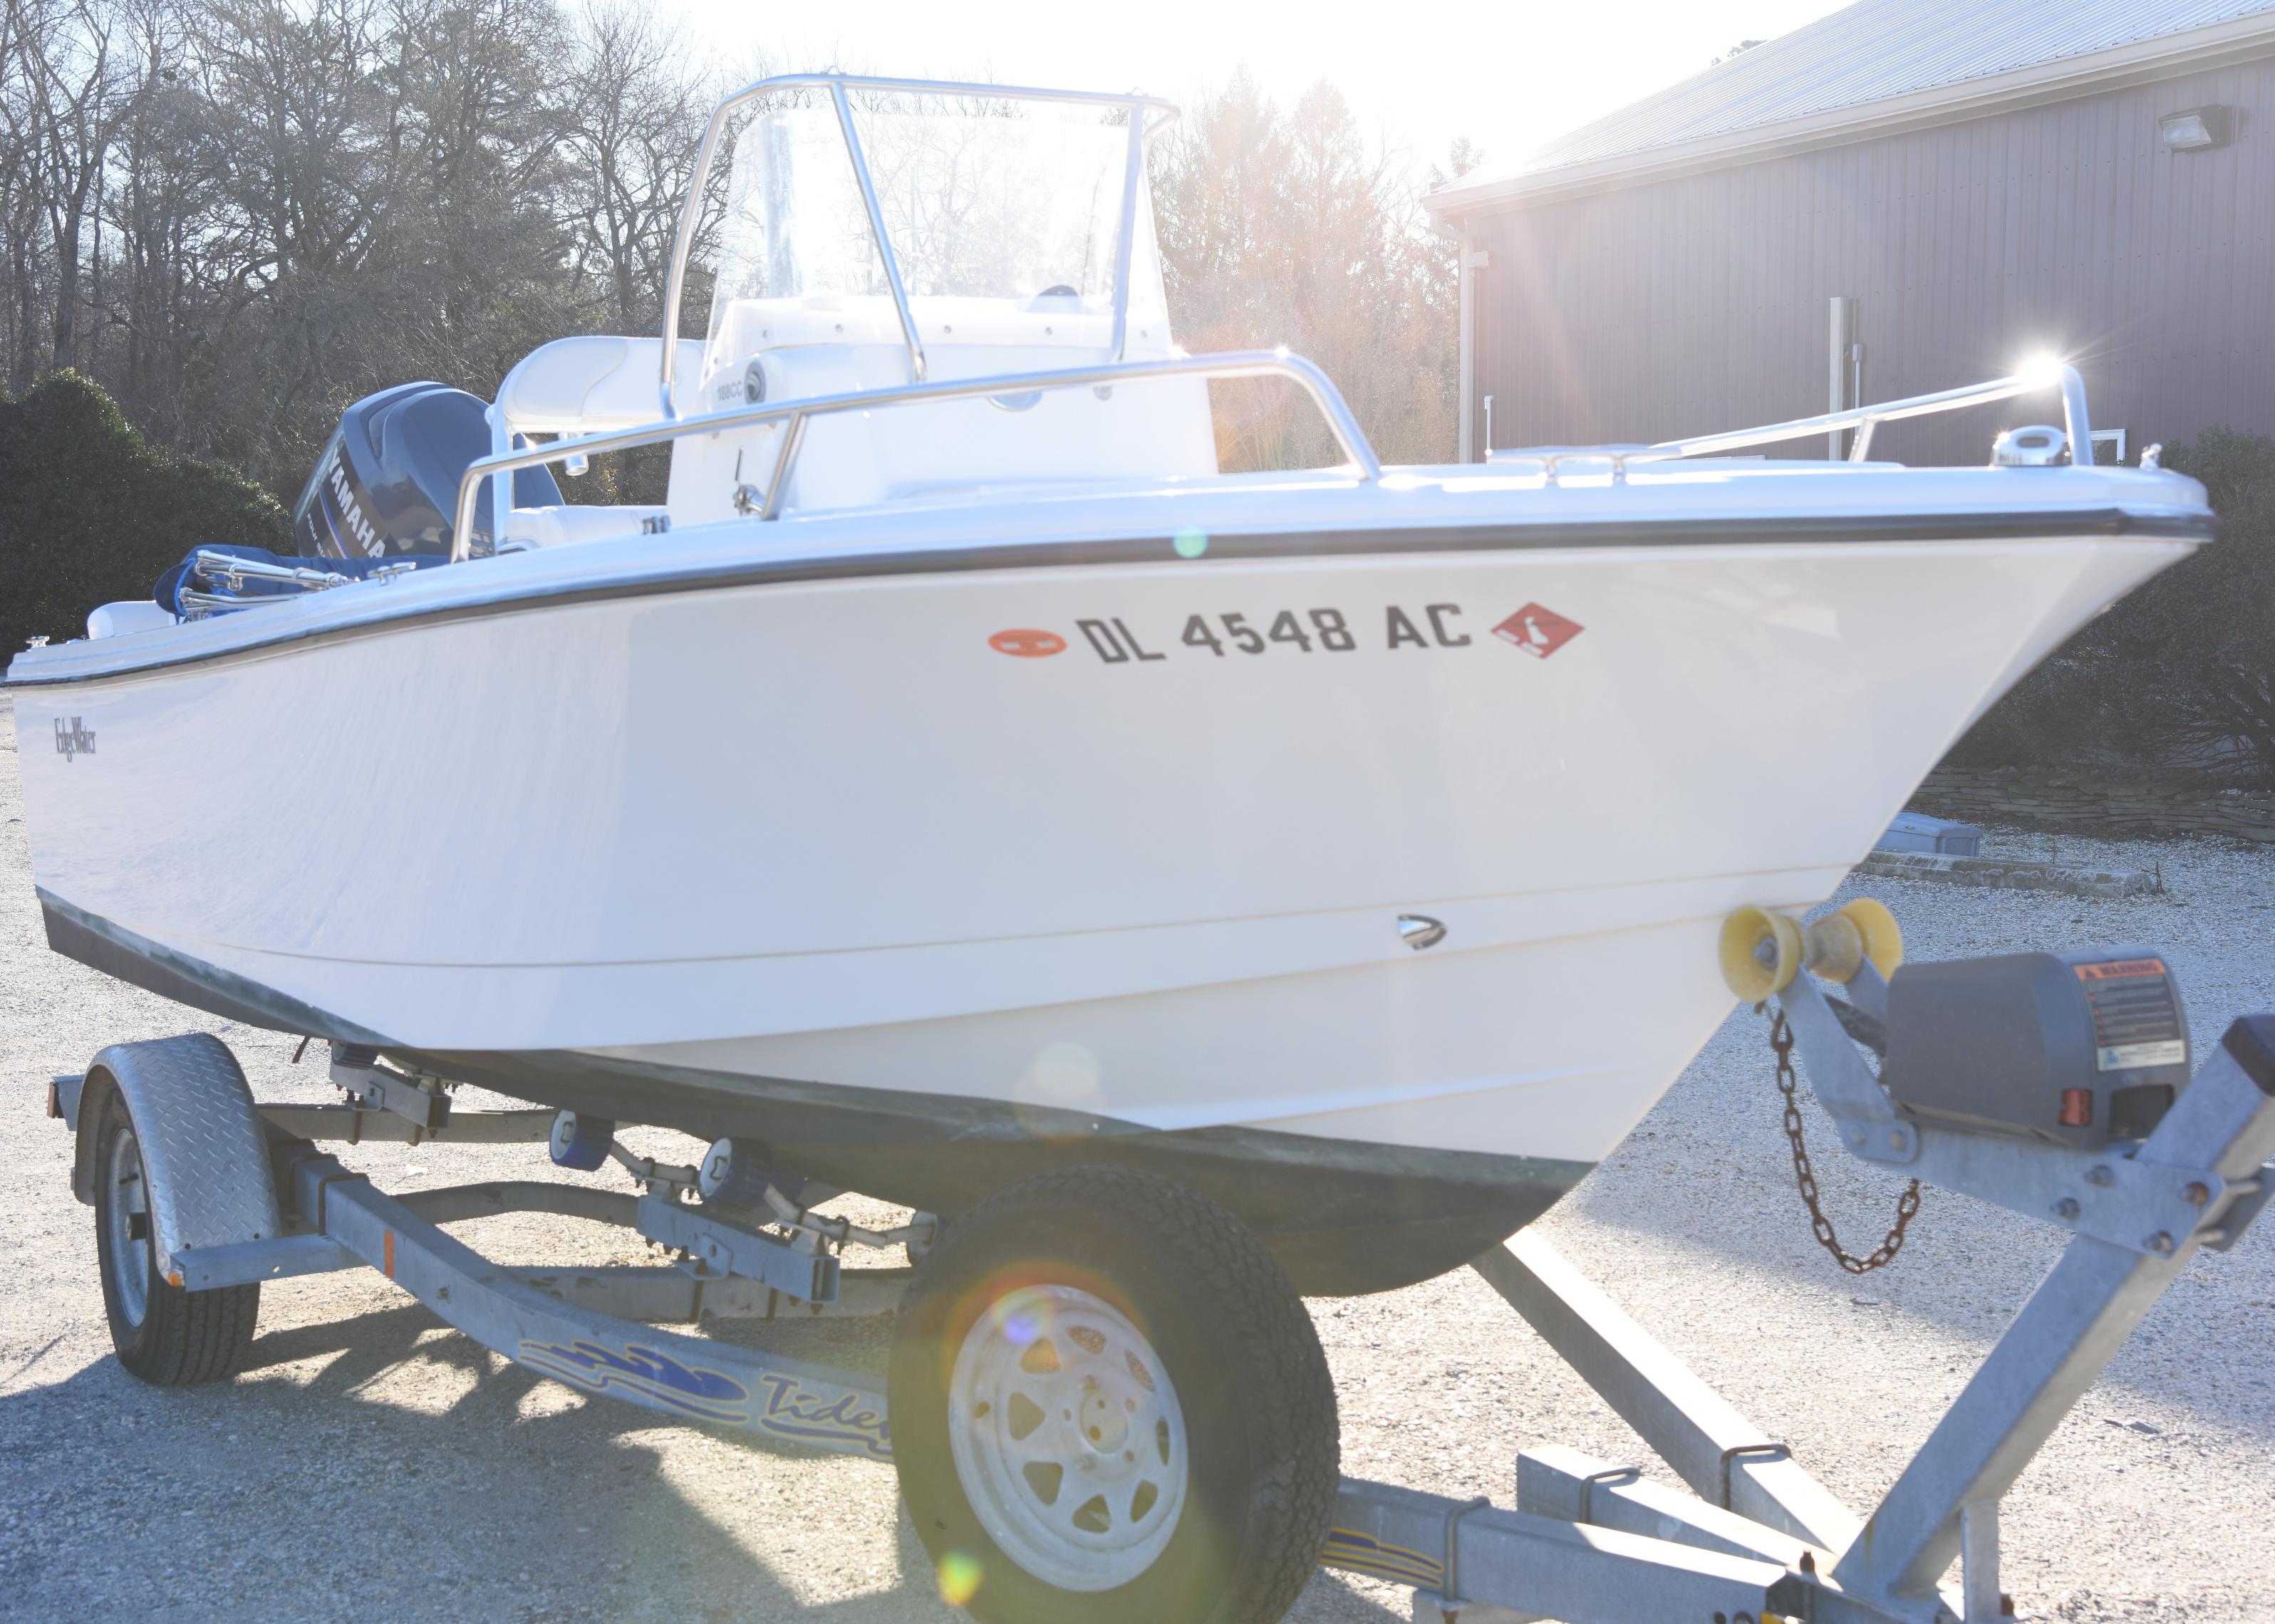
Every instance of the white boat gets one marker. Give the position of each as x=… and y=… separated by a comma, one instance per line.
x=959, y=776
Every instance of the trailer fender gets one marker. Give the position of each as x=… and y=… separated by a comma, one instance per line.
x=203, y=1148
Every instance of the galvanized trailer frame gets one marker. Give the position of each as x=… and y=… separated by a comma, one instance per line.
x=1756, y=1540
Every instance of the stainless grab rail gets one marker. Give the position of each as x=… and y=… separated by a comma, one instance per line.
x=1148, y=116
x=795, y=414
x=2077, y=423
x=220, y=569
x=233, y=571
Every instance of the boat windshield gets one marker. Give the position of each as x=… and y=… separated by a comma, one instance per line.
x=1016, y=203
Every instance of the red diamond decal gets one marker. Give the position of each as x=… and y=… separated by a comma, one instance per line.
x=1538, y=631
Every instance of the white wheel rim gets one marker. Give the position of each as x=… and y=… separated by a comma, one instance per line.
x=131, y=1260
x=1068, y=1438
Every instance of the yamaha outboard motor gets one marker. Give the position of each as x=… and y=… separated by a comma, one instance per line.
x=388, y=483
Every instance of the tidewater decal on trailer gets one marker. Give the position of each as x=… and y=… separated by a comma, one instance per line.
x=795, y=1410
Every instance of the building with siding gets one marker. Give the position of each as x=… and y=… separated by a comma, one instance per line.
x=1974, y=184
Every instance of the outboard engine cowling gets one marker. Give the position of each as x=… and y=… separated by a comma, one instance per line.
x=388, y=483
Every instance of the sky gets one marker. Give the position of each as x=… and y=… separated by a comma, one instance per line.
x=1508, y=77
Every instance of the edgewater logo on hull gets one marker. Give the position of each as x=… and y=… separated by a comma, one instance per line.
x=74, y=740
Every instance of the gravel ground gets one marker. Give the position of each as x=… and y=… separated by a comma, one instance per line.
x=372, y=1463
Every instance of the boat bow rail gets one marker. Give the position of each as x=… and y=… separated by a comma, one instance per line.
x=765, y=503
x=2078, y=425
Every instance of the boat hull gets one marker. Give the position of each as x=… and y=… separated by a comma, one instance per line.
x=1104, y=855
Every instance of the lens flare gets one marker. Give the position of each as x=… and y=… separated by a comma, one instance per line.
x=959, y=1578
x=2043, y=370
x=1063, y=1073
x=1191, y=541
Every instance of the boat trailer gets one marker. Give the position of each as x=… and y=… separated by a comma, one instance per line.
x=232, y=1193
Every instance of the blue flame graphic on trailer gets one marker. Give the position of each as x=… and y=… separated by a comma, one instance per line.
x=642, y=1374
x=836, y=1417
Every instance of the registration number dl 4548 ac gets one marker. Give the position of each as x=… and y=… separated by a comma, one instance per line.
x=1227, y=634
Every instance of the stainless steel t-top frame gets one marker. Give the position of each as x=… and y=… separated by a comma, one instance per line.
x=1147, y=115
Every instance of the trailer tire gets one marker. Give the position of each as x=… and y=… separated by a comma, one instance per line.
x=163, y=1335
x=1125, y=1271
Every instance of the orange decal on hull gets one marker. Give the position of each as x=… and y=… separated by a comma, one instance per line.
x=1027, y=644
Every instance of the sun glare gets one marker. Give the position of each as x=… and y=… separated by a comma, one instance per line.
x=2043, y=370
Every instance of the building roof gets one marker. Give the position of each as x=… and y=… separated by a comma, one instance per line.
x=1871, y=67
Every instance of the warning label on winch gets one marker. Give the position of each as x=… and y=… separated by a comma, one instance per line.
x=2136, y=1017
x=2121, y=970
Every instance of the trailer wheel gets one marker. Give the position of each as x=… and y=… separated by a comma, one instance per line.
x=1108, y=1403
x=165, y=1335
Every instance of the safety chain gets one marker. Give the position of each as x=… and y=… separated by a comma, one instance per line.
x=1804, y=1176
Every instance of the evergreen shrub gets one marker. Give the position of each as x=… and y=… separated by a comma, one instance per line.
x=90, y=512
x=2179, y=677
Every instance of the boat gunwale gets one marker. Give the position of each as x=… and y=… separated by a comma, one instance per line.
x=2097, y=522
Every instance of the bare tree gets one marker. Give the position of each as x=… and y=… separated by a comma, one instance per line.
x=477, y=240
x=21, y=214
x=239, y=215
x=633, y=109
x=59, y=103
x=301, y=303
x=1292, y=228
x=159, y=205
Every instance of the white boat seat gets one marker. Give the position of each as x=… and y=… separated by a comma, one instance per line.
x=588, y=384
x=116, y=620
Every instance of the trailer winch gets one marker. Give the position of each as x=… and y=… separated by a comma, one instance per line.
x=2072, y=1048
